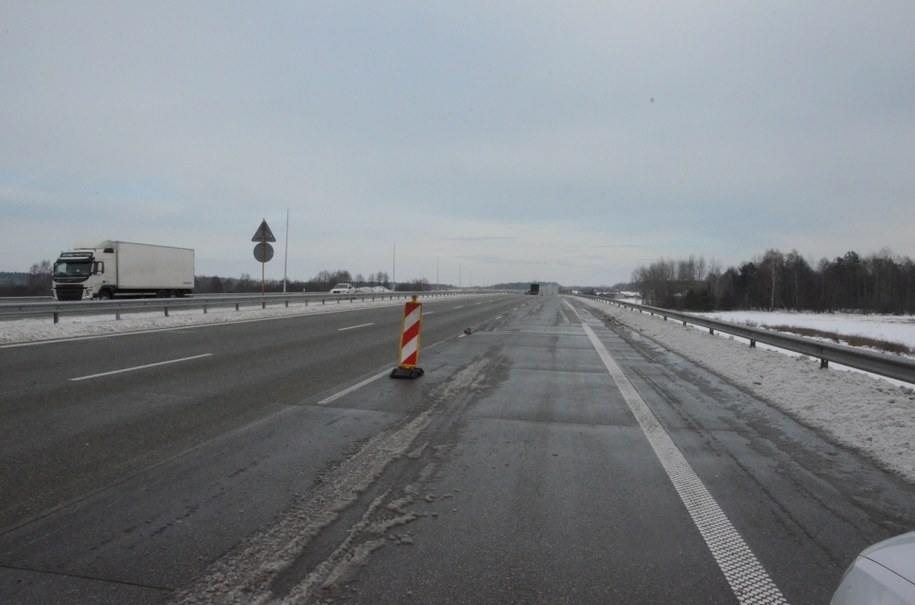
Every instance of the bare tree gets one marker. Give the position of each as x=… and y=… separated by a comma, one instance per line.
x=39, y=281
x=714, y=280
x=773, y=264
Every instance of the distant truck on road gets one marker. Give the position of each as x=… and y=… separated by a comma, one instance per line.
x=535, y=289
x=120, y=269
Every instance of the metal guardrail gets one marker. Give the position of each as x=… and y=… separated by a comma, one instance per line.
x=24, y=299
x=891, y=366
x=55, y=309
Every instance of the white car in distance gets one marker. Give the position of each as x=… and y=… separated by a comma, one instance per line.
x=343, y=288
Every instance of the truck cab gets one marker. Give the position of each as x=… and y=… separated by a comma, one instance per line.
x=79, y=274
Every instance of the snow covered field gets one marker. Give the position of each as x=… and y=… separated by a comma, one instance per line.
x=892, y=328
x=868, y=414
x=872, y=415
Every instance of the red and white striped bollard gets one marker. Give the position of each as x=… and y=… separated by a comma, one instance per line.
x=411, y=327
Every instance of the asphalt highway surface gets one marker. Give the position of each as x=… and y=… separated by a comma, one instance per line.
x=547, y=455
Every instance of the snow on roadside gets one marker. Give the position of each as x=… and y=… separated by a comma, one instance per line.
x=892, y=328
x=856, y=410
x=72, y=326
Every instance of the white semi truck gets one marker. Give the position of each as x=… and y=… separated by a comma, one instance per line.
x=119, y=269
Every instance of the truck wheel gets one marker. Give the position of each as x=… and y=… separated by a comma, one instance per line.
x=104, y=295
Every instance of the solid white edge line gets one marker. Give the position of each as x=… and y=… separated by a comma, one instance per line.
x=143, y=367
x=747, y=578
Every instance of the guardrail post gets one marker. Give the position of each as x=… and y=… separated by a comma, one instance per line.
x=236, y=306
x=752, y=344
x=287, y=303
x=824, y=363
x=204, y=308
x=117, y=316
x=711, y=331
x=56, y=317
x=166, y=311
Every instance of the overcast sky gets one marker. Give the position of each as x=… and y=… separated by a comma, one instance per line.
x=492, y=141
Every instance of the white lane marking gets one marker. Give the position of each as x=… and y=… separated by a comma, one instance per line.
x=149, y=365
x=52, y=341
x=458, y=307
x=354, y=327
x=356, y=386
x=746, y=576
x=192, y=326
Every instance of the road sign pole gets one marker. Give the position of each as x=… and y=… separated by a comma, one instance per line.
x=263, y=252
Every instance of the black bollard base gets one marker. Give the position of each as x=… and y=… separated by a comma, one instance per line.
x=401, y=372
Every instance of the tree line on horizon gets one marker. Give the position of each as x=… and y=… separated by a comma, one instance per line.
x=37, y=282
x=322, y=282
x=879, y=283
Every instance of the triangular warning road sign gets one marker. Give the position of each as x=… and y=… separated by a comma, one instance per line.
x=264, y=234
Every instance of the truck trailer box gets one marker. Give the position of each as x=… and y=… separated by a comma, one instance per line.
x=153, y=267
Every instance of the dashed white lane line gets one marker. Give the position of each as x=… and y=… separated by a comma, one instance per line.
x=355, y=387
x=743, y=572
x=143, y=367
x=355, y=327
